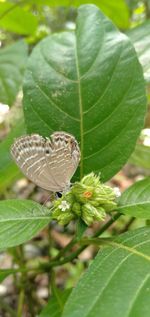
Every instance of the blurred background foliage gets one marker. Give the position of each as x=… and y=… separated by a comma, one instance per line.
x=22, y=25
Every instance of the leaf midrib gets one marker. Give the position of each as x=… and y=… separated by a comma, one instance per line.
x=24, y=219
x=130, y=253
x=130, y=249
x=134, y=205
x=80, y=108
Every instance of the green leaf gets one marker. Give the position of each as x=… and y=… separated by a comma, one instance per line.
x=5, y=273
x=140, y=38
x=20, y=220
x=90, y=84
x=54, y=308
x=117, y=282
x=135, y=201
x=141, y=156
x=12, y=65
x=117, y=11
x=15, y=19
x=8, y=169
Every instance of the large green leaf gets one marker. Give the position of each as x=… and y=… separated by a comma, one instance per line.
x=141, y=156
x=55, y=305
x=140, y=38
x=88, y=83
x=12, y=65
x=117, y=283
x=20, y=220
x=15, y=19
x=135, y=201
x=8, y=169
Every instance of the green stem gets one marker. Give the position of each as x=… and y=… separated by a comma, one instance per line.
x=55, y=289
x=107, y=225
x=57, y=261
x=66, y=249
x=75, y=240
x=21, y=270
x=24, y=286
x=67, y=259
x=20, y=303
x=97, y=241
x=147, y=9
x=127, y=225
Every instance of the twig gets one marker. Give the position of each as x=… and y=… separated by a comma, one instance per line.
x=127, y=225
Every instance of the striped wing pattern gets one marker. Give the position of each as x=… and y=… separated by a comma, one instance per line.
x=48, y=162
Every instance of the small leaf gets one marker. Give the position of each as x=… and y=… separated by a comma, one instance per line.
x=5, y=273
x=89, y=83
x=15, y=19
x=140, y=38
x=12, y=65
x=54, y=308
x=117, y=283
x=135, y=201
x=20, y=220
x=141, y=156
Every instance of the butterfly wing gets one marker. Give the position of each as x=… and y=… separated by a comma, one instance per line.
x=45, y=161
x=65, y=158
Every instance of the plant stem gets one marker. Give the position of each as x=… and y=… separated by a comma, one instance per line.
x=75, y=240
x=69, y=258
x=24, y=287
x=127, y=225
x=57, y=261
x=66, y=248
x=20, y=303
x=146, y=2
x=73, y=255
x=55, y=289
x=107, y=225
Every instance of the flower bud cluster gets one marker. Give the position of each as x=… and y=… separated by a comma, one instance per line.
x=88, y=199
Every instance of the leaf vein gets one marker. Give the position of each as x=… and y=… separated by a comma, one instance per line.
x=51, y=101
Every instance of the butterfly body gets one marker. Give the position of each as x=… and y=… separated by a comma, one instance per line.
x=48, y=162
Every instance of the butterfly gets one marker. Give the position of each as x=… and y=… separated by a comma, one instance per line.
x=48, y=162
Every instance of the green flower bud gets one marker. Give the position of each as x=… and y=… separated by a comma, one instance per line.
x=88, y=199
x=109, y=206
x=94, y=203
x=91, y=180
x=91, y=214
x=90, y=190
x=104, y=193
x=82, y=194
x=62, y=210
x=76, y=208
x=65, y=218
